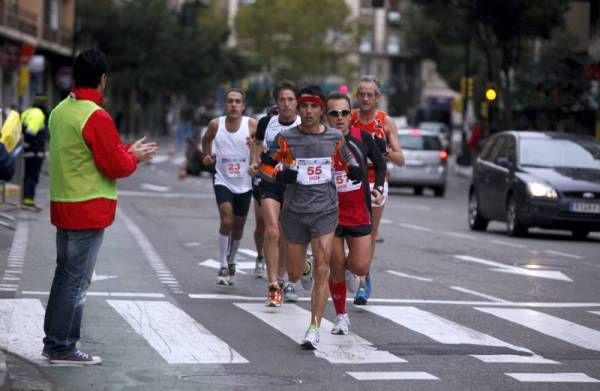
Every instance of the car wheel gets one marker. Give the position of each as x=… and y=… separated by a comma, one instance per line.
x=476, y=221
x=513, y=226
x=418, y=190
x=580, y=234
x=439, y=191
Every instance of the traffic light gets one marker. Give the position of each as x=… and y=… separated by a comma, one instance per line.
x=470, y=86
x=490, y=93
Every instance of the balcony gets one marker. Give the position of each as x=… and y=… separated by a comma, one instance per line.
x=18, y=19
x=62, y=36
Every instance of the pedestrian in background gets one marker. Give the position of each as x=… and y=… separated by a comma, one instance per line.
x=87, y=157
x=35, y=135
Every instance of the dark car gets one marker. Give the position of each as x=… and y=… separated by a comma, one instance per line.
x=537, y=179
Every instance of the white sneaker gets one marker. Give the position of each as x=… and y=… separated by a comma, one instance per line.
x=311, y=339
x=352, y=281
x=223, y=276
x=259, y=267
x=342, y=324
x=307, y=279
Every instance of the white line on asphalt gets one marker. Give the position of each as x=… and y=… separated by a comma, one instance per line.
x=492, y=298
x=566, y=255
x=459, y=235
x=157, y=188
x=392, y=376
x=104, y=294
x=395, y=273
x=239, y=265
x=503, y=268
x=569, y=377
x=16, y=256
x=386, y=221
x=8, y=289
x=512, y=358
x=177, y=337
x=553, y=326
x=415, y=227
x=509, y=244
x=291, y=321
x=595, y=312
x=248, y=251
x=21, y=329
x=446, y=331
x=132, y=193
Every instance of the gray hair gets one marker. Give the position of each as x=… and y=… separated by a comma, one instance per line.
x=371, y=79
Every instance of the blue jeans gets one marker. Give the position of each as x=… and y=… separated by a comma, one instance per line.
x=76, y=253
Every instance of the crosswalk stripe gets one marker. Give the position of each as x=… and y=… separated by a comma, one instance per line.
x=553, y=326
x=569, y=377
x=392, y=376
x=595, y=312
x=448, y=332
x=177, y=337
x=292, y=321
x=21, y=327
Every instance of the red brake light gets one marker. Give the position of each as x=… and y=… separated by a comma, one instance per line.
x=443, y=156
x=415, y=132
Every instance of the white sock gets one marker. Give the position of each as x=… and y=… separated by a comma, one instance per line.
x=233, y=248
x=223, y=245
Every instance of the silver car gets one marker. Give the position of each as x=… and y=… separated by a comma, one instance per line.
x=440, y=128
x=426, y=162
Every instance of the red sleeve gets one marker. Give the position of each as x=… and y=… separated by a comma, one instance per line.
x=110, y=155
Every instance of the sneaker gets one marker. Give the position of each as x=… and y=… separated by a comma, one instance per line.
x=274, y=296
x=368, y=285
x=231, y=270
x=311, y=338
x=351, y=281
x=223, y=276
x=307, y=280
x=77, y=358
x=361, y=295
x=289, y=293
x=29, y=204
x=342, y=324
x=379, y=239
x=259, y=267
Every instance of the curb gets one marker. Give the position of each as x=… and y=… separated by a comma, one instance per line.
x=4, y=383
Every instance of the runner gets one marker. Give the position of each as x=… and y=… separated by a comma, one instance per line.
x=310, y=213
x=355, y=223
x=385, y=132
x=272, y=194
x=232, y=182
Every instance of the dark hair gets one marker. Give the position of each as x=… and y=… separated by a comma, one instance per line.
x=338, y=96
x=312, y=90
x=236, y=90
x=88, y=68
x=285, y=84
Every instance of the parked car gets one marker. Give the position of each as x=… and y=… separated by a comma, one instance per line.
x=426, y=162
x=440, y=128
x=537, y=179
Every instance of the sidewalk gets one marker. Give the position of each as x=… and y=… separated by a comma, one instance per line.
x=3, y=373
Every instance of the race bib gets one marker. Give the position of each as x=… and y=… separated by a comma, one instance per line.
x=343, y=184
x=233, y=167
x=314, y=171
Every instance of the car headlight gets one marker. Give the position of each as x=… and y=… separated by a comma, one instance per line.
x=537, y=189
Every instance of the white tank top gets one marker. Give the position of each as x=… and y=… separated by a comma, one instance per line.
x=232, y=157
x=274, y=127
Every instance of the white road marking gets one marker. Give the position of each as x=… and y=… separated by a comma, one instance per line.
x=459, y=235
x=239, y=265
x=249, y=252
x=564, y=330
x=157, y=188
x=21, y=328
x=448, y=332
x=386, y=221
x=148, y=250
x=395, y=273
x=595, y=312
x=292, y=321
x=415, y=227
x=101, y=277
x=500, y=267
x=149, y=194
x=492, y=298
x=392, y=376
x=104, y=294
x=568, y=377
x=509, y=244
x=16, y=258
x=566, y=255
x=177, y=337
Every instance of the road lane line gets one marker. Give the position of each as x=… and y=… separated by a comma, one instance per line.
x=392, y=376
x=566, y=255
x=509, y=244
x=492, y=298
x=16, y=258
x=200, y=196
x=248, y=252
x=459, y=235
x=553, y=326
x=415, y=227
x=104, y=294
x=448, y=332
x=595, y=312
x=568, y=377
x=21, y=328
x=503, y=268
x=177, y=337
x=395, y=273
x=291, y=321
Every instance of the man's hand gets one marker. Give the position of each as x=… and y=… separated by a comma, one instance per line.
x=253, y=169
x=377, y=197
x=143, y=151
x=355, y=174
x=287, y=176
x=208, y=160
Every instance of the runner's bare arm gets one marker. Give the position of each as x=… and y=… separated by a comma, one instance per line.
x=395, y=154
x=209, y=136
x=253, y=167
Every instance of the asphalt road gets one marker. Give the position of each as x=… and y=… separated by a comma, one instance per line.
x=451, y=309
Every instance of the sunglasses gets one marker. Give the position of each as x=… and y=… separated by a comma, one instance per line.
x=338, y=113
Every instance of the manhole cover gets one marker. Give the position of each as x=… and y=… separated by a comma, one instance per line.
x=240, y=380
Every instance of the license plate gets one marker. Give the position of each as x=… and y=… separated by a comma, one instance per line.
x=585, y=207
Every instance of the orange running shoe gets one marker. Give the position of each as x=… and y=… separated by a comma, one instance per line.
x=274, y=296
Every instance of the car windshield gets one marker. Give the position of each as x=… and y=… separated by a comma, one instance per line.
x=560, y=153
x=420, y=142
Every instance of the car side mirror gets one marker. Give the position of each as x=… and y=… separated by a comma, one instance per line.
x=504, y=162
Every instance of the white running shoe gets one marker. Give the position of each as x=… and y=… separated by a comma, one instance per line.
x=311, y=338
x=289, y=293
x=342, y=325
x=259, y=267
x=307, y=279
x=352, y=281
x=223, y=276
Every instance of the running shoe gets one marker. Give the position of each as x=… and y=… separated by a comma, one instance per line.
x=77, y=358
x=274, y=296
x=351, y=281
x=231, y=269
x=289, y=293
x=342, y=325
x=259, y=267
x=223, y=275
x=307, y=279
x=311, y=338
x=368, y=284
x=360, y=298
